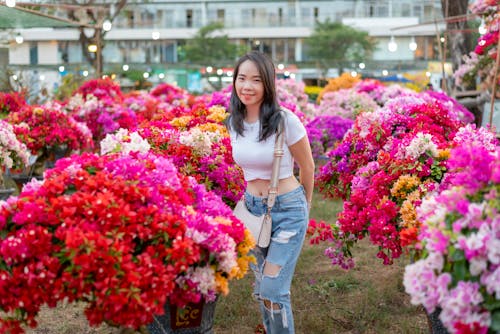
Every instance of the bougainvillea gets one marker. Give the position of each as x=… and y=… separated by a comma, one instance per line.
x=382, y=168
x=122, y=233
x=459, y=269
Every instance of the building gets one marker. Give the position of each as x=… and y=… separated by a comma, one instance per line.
x=148, y=35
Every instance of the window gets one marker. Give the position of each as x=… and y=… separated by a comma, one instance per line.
x=405, y=10
x=189, y=18
x=417, y=11
x=221, y=15
x=382, y=11
x=130, y=18
x=167, y=20
x=34, y=53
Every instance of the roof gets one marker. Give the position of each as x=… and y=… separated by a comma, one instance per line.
x=19, y=18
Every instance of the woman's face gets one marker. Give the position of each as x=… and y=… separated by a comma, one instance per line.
x=249, y=86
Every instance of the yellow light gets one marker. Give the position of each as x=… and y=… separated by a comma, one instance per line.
x=92, y=48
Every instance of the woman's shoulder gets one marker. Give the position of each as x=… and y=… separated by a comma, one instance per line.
x=289, y=115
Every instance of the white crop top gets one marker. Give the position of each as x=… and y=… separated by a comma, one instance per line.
x=256, y=158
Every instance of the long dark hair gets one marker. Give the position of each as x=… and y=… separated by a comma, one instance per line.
x=269, y=115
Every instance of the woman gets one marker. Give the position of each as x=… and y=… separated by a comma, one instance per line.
x=253, y=123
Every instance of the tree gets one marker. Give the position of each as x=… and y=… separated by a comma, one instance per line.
x=210, y=46
x=333, y=44
x=90, y=13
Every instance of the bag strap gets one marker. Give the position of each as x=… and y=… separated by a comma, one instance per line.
x=278, y=154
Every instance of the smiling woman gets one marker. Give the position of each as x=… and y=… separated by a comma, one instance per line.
x=255, y=122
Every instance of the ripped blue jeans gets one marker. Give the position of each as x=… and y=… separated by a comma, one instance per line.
x=290, y=216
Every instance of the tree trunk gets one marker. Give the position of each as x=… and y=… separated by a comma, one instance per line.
x=456, y=28
x=96, y=17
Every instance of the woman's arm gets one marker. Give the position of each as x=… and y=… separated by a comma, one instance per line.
x=301, y=152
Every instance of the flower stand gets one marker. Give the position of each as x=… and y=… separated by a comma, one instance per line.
x=55, y=154
x=20, y=179
x=5, y=193
x=435, y=325
x=485, y=119
x=193, y=319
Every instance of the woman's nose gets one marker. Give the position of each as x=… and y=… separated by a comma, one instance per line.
x=247, y=84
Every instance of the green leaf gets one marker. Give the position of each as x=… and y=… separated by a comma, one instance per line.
x=91, y=170
x=495, y=322
x=492, y=305
x=457, y=255
x=459, y=271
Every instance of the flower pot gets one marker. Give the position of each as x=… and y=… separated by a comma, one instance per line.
x=193, y=319
x=435, y=325
x=5, y=193
x=55, y=154
x=22, y=179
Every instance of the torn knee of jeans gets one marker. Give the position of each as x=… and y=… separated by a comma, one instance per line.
x=284, y=237
x=268, y=304
x=271, y=270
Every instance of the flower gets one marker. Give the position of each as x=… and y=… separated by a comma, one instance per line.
x=324, y=131
x=13, y=153
x=123, y=233
x=125, y=142
x=382, y=168
x=344, y=81
x=100, y=88
x=102, y=115
x=199, y=145
x=45, y=128
x=459, y=269
x=346, y=103
x=10, y=102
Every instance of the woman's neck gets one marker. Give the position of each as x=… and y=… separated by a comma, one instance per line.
x=252, y=115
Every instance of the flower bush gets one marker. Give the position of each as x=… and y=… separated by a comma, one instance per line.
x=102, y=115
x=382, y=168
x=459, y=270
x=43, y=129
x=124, y=142
x=199, y=145
x=481, y=61
x=291, y=95
x=172, y=94
x=124, y=233
x=13, y=153
x=324, y=131
x=100, y=88
x=346, y=103
x=11, y=102
x=344, y=81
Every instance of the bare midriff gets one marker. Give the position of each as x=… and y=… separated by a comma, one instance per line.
x=260, y=187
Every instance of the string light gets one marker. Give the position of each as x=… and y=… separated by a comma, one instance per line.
x=413, y=44
x=392, y=45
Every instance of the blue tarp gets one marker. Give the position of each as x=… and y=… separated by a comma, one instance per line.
x=393, y=78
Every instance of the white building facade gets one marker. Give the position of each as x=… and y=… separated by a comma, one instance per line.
x=278, y=28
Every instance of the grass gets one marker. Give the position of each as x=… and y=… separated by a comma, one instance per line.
x=368, y=299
